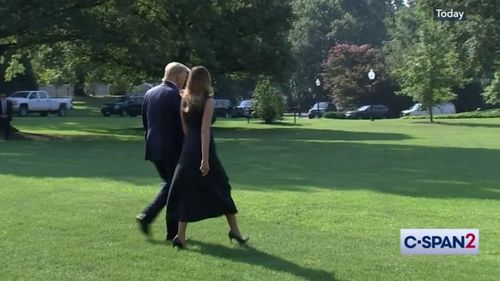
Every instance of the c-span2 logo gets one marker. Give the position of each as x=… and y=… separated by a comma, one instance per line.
x=439, y=241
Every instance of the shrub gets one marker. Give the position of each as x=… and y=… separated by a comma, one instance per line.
x=268, y=102
x=493, y=113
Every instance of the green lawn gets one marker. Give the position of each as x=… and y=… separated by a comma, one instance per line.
x=324, y=200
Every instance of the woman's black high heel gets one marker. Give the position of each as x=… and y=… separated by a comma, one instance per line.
x=240, y=240
x=176, y=243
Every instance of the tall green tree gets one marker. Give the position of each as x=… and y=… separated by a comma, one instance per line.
x=492, y=92
x=321, y=24
x=311, y=37
x=428, y=68
x=27, y=23
x=227, y=36
x=363, y=22
x=476, y=37
x=20, y=77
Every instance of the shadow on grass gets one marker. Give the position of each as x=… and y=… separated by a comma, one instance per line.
x=469, y=124
x=280, y=159
x=248, y=254
x=278, y=123
x=284, y=131
x=283, y=134
x=458, y=124
x=415, y=171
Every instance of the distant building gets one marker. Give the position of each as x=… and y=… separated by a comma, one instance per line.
x=97, y=90
x=65, y=90
x=91, y=89
x=142, y=89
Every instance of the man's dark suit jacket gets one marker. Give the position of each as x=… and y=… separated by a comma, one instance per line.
x=9, y=110
x=162, y=123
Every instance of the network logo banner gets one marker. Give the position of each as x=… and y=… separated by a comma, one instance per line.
x=439, y=241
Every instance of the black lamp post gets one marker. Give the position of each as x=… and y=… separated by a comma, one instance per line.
x=318, y=84
x=294, y=101
x=371, y=76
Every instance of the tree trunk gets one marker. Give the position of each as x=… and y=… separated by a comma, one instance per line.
x=80, y=82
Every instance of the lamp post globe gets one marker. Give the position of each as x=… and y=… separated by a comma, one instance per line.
x=371, y=75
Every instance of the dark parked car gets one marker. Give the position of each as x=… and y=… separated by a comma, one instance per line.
x=318, y=110
x=223, y=107
x=244, y=109
x=128, y=105
x=379, y=111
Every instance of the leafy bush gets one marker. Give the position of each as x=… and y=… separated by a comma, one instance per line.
x=268, y=102
x=492, y=92
x=334, y=115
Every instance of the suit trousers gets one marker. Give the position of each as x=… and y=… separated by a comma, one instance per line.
x=166, y=172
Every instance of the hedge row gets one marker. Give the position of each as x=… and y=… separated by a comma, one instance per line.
x=492, y=113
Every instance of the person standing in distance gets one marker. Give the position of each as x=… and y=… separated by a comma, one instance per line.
x=5, y=115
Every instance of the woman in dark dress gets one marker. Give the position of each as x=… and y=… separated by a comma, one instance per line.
x=200, y=187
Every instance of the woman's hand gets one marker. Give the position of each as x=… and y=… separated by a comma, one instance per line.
x=204, y=168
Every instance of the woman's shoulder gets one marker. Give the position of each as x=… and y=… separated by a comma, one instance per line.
x=209, y=101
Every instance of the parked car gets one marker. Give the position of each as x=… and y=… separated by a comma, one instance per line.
x=365, y=111
x=244, y=109
x=318, y=111
x=126, y=105
x=418, y=109
x=223, y=107
x=25, y=102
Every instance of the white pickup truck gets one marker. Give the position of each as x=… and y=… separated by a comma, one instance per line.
x=24, y=102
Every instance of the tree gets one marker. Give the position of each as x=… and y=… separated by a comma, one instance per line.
x=428, y=69
x=492, y=92
x=362, y=21
x=345, y=73
x=268, y=101
x=20, y=77
x=321, y=24
x=43, y=21
x=139, y=37
x=475, y=38
x=310, y=37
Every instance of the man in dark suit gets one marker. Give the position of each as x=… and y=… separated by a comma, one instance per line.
x=163, y=139
x=5, y=115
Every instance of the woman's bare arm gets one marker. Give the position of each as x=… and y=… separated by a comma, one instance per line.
x=206, y=123
x=183, y=122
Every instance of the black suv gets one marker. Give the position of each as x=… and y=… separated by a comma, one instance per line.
x=379, y=111
x=223, y=108
x=244, y=109
x=128, y=105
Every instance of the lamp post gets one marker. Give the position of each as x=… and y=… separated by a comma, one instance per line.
x=294, y=101
x=371, y=76
x=318, y=84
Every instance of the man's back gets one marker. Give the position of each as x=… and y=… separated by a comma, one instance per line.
x=162, y=124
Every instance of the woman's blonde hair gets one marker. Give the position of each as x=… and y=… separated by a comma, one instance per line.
x=198, y=88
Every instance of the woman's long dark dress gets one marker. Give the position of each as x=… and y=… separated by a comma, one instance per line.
x=193, y=197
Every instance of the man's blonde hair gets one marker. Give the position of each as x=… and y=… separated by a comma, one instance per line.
x=173, y=69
